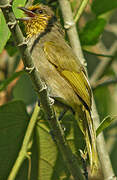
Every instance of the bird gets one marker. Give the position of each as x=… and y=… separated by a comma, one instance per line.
x=61, y=70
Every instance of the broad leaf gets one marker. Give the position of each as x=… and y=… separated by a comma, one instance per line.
x=104, y=96
x=100, y=7
x=16, y=4
x=24, y=91
x=4, y=32
x=50, y=161
x=13, y=123
x=6, y=82
x=92, y=31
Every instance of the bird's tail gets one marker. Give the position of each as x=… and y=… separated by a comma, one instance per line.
x=86, y=125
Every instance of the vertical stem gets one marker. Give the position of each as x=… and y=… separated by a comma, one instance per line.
x=101, y=146
x=71, y=29
x=81, y=9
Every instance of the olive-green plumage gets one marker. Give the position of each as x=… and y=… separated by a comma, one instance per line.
x=60, y=69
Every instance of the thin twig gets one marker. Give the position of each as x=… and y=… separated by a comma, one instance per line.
x=104, y=157
x=70, y=160
x=97, y=54
x=7, y=81
x=102, y=83
x=80, y=10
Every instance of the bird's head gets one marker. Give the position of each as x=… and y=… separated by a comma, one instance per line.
x=38, y=19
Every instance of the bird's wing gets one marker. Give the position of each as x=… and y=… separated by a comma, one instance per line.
x=63, y=58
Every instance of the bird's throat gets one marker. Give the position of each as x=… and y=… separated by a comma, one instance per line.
x=39, y=25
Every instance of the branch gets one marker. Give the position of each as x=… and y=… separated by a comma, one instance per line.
x=102, y=83
x=75, y=43
x=97, y=54
x=71, y=29
x=68, y=157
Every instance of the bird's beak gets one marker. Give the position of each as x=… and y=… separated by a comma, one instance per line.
x=27, y=12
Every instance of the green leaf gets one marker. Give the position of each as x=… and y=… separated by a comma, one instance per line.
x=104, y=96
x=10, y=47
x=51, y=165
x=6, y=82
x=13, y=124
x=24, y=90
x=16, y=11
x=105, y=123
x=100, y=7
x=4, y=32
x=50, y=161
x=92, y=31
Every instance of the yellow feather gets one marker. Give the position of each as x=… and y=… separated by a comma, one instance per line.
x=78, y=82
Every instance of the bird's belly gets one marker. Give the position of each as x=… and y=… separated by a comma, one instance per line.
x=59, y=87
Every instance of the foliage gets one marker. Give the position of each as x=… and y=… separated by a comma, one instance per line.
x=91, y=32
x=18, y=104
x=13, y=124
x=99, y=7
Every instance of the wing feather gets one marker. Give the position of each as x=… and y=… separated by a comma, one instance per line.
x=63, y=58
x=79, y=84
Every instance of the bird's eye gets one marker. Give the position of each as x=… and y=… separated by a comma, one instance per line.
x=40, y=11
